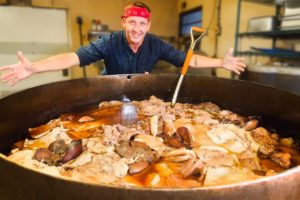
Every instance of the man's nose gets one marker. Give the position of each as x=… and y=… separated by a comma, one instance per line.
x=136, y=28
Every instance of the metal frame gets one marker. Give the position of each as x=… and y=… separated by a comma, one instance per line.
x=274, y=35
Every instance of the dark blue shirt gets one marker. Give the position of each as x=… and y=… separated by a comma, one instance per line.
x=120, y=59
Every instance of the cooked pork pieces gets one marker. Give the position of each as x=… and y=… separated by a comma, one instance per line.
x=151, y=144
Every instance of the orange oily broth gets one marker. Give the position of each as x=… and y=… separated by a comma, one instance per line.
x=162, y=174
x=108, y=115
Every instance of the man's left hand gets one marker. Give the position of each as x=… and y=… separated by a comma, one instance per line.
x=235, y=64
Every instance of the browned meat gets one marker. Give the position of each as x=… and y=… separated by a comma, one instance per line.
x=42, y=154
x=204, y=117
x=74, y=150
x=168, y=128
x=208, y=106
x=185, y=135
x=193, y=167
x=112, y=135
x=182, y=138
x=250, y=160
x=138, y=151
x=214, y=158
x=59, y=149
x=283, y=159
x=85, y=119
x=248, y=123
x=266, y=143
x=251, y=124
x=59, y=152
x=153, y=106
x=137, y=167
x=175, y=181
x=234, y=119
x=180, y=110
x=174, y=141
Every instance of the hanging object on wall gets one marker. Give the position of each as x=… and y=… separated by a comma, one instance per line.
x=183, y=5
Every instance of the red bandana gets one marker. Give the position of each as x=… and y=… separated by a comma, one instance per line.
x=136, y=11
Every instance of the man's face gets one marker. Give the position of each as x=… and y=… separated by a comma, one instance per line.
x=136, y=29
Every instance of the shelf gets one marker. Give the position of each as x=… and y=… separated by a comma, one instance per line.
x=279, y=55
x=290, y=34
x=93, y=35
x=274, y=36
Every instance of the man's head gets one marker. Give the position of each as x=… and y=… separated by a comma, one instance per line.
x=136, y=22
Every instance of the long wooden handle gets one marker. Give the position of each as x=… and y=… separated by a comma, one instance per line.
x=202, y=30
x=187, y=62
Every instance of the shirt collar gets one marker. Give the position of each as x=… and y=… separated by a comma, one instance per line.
x=126, y=42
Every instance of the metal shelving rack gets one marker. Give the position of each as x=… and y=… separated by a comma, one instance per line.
x=274, y=35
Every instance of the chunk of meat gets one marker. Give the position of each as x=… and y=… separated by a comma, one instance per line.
x=227, y=175
x=233, y=118
x=175, y=181
x=138, y=151
x=168, y=127
x=41, y=154
x=263, y=138
x=231, y=137
x=215, y=156
x=283, y=159
x=208, y=106
x=204, y=117
x=179, y=155
x=182, y=138
x=137, y=167
x=193, y=167
x=155, y=143
x=85, y=119
x=105, y=168
x=151, y=107
x=250, y=160
x=251, y=124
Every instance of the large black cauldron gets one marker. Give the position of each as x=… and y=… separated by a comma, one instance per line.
x=279, y=109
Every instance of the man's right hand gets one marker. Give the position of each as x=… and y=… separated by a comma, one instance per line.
x=17, y=72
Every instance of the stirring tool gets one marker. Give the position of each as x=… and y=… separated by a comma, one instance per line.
x=187, y=60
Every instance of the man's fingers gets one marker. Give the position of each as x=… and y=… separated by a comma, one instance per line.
x=21, y=57
x=230, y=51
x=7, y=76
x=241, y=65
x=237, y=71
x=12, y=82
x=240, y=69
x=5, y=67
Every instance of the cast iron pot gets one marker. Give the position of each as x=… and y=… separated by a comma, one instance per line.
x=32, y=107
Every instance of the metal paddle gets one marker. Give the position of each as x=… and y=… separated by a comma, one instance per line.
x=187, y=60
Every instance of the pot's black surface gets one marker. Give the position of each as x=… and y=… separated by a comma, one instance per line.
x=38, y=105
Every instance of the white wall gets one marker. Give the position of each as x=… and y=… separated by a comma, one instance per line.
x=38, y=33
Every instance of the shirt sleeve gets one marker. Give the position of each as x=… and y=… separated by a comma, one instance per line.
x=172, y=55
x=93, y=52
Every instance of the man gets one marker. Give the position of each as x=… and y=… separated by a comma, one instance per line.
x=132, y=50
